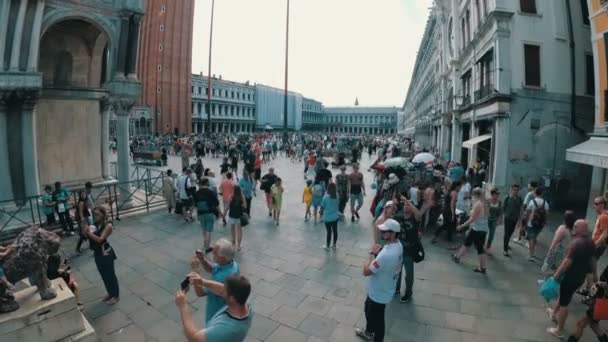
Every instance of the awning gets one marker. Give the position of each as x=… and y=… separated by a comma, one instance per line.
x=472, y=142
x=592, y=152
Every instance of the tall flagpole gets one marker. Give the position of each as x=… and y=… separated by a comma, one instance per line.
x=209, y=72
x=286, y=71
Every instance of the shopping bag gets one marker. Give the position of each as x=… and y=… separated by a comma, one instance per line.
x=549, y=290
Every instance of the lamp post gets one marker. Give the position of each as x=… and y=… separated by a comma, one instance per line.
x=209, y=72
x=286, y=73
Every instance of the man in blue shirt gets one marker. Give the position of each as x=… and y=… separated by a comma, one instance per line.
x=231, y=323
x=223, y=267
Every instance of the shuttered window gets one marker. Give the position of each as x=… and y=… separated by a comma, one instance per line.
x=532, y=61
x=590, y=73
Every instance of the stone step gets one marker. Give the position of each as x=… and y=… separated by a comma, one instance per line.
x=87, y=335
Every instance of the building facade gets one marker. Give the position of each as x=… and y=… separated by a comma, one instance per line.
x=361, y=120
x=504, y=82
x=232, y=105
x=64, y=65
x=165, y=64
x=312, y=115
x=594, y=151
x=270, y=108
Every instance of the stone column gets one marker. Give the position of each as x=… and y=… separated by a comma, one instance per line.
x=501, y=152
x=456, y=140
x=121, y=64
x=5, y=174
x=122, y=107
x=445, y=139
x=32, y=63
x=29, y=147
x=105, y=138
x=18, y=36
x=4, y=12
x=133, y=39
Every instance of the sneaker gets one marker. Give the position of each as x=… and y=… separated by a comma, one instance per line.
x=531, y=259
x=270, y=214
x=405, y=299
x=325, y=247
x=364, y=334
x=357, y=215
x=506, y=253
x=352, y=218
x=516, y=239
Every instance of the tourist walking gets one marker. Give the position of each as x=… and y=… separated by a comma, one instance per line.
x=104, y=253
x=536, y=212
x=226, y=190
x=61, y=197
x=169, y=190
x=356, y=189
x=247, y=187
x=237, y=208
x=307, y=199
x=277, y=199
x=478, y=221
x=207, y=208
x=409, y=220
x=185, y=190
x=560, y=241
x=48, y=205
x=381, y=268
x=342, y=188
x=318, y=191
x=450, y=219
x=494, y=218
x=84, y=217
x=512, y=210
x=331, y=215
x=265, y=185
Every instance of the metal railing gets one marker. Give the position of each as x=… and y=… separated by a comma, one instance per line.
x=143, y=192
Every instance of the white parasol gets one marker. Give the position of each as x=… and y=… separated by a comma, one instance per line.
x=397, y=162
x=424, y=157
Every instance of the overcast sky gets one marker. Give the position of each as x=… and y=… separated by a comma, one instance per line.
x=339, y=50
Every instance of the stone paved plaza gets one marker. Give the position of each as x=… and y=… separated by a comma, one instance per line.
x=303, y=293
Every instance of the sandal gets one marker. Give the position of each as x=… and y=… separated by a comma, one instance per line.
x=551, y=315
x=553, y=331
x=479, y=270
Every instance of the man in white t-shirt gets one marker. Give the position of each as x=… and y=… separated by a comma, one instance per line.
x=184, y=184
x=523, y=226
x=537, y=210
x=382, y=268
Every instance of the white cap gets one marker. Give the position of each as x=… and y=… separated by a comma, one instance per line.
x=390, y=225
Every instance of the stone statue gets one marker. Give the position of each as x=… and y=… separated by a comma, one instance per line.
x=29, y=260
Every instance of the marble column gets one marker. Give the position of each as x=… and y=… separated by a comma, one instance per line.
x=456, y=141
x=501, y=152
x=5, y=174
x=122, y=107
x=4, y=12
x=18, y=36
x=29, y=148
x=32, y=63
x=105, y=139
x=133, y=39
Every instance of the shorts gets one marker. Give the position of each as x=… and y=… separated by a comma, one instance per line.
x=232, y=220
x=567, y=289
x=316, y=201
x=533, y=232
x=207, y=222
x=257, y=174
x=356, y=199
x=599, y=251
x=478, y=238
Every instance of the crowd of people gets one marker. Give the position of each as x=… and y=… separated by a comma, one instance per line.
x=410, y=201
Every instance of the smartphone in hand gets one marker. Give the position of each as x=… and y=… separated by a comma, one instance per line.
x=185, y=285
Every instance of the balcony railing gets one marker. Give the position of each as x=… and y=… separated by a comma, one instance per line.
x=485, y=91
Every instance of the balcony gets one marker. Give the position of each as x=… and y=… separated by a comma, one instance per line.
x=466, y=100
x=485, y=91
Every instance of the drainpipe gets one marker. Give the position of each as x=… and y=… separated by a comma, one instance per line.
x=572, y=71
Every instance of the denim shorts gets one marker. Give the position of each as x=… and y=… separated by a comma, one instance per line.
x=356, y=198
x=533, y=232
x=207, y=222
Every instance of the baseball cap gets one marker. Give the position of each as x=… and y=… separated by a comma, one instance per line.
x=390, y=225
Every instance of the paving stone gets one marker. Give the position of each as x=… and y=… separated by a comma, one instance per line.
x=288, y=297
x=264, y=306
x=166, y=330
x=318, y=326
x=130, y=333
x=266, y=289
x=461, y=322
x=110, y=322
x=345, y=314
x=437, y=334
x=314, y=288
x=262, y=327
x=286, y=334
x=315, y=305
x=289, y=316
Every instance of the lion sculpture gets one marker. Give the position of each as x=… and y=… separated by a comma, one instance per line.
x=29, y=260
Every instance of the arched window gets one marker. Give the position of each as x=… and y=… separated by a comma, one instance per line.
x=63, y=69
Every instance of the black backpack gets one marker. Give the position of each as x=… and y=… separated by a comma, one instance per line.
x=539, y=218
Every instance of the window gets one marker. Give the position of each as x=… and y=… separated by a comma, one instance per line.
x=160, y=47
x=585, y=10
x=158, y=90
x=466, y=88
x=528, y=6
x=199, y=90
x=486, y=75
x=163, y=8
x=590, y=79
x=468, y=25
x=162, y=27
x=199, y=106
x=463, y=33
x=159, y=67
x=532, y=65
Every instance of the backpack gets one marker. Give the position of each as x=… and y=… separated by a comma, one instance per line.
x=539, y=218
x=317, y=190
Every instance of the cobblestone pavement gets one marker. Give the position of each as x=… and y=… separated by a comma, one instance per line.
x=303, y=293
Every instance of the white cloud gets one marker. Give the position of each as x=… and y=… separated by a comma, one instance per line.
x=339, y=49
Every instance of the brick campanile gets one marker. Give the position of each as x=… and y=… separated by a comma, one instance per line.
x=165, y=64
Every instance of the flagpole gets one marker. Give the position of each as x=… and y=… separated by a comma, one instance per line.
x=209, y=72
x=286, y=71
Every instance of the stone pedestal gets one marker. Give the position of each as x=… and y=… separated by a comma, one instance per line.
x=52, y=320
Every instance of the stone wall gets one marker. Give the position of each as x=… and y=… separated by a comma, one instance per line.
x=69, y=140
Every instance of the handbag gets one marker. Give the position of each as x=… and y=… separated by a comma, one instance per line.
x=549, y=290
x=244, y=220
x=600, y=309
x=417, y=252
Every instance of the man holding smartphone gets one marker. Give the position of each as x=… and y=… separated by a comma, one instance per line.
x=220, y=269
x=382, y=268
x=231, y=323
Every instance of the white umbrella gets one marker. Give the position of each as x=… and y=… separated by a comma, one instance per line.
x=424, y=157
x=268, y=127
